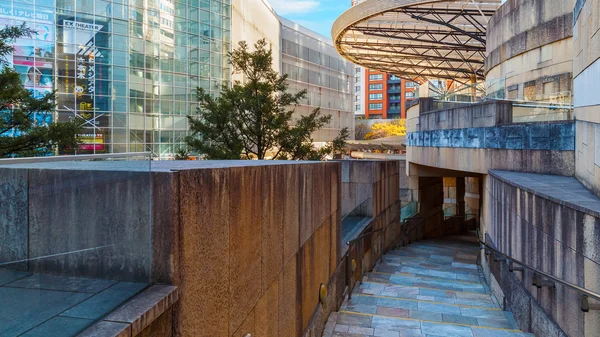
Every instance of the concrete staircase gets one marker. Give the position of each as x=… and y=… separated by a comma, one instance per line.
x=431, y=288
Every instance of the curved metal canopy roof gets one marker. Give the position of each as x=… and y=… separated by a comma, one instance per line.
x=417, y=39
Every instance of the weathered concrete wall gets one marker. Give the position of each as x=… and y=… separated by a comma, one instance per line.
x=247, y=243
x=255, y=250
x=364, y=180
x=481, y=115
x=358, y=177
x=552, y=234
x=546, y=148
x=77, y=222
x=529, y=50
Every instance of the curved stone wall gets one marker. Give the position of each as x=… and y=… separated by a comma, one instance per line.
x=529, y=54
x=545, y=222
x=586, y=71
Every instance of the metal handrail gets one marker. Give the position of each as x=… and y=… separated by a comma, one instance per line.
x=577, y=288
x=51, y=159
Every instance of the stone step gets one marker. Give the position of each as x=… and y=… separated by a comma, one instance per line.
x=430, y=284
x=391, y=290
x=429, y=274
x=426, y=289
x=423, y=277
x=442, y=260
x=363, y=298
x=455, y=267
x=418, y=269
x=354, y=324
x=431, y=251
x=493, y=321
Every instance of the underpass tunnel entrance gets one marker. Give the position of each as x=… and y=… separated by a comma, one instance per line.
x=448, y=201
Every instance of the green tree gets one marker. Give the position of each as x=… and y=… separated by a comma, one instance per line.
x=20, y=135
x=254, y=118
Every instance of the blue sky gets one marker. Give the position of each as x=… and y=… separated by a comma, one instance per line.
x=317, y=15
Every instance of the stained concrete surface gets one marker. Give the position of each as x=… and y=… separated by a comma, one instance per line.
x=35, y=305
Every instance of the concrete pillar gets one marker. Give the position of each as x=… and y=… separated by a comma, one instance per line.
x=460, y=196
x=431, y=200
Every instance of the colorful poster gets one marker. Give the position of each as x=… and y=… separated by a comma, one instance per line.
x=32, y=57
x=77, y=52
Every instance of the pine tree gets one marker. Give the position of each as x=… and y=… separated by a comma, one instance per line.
x=20, y=134
x=253, y=118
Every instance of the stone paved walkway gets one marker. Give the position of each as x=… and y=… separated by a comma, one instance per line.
x=431, y=288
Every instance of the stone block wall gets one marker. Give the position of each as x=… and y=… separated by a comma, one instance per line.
x=256, y=244
x=557, y=237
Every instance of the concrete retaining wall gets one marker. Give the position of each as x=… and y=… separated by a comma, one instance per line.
x=557, y=237
x=486, y=114
x=247, y=243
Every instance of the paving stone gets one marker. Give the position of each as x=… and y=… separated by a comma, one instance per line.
x=448, y=318
x=439, y=308
x=446, y=330
x=102, y=303
x=387, y=323
x=426, y=316
x=24, y=309
x=8, y=276
x=64, y=283
x=393, y=312
x=59, y=327
x=351, y=319
x=429, y=289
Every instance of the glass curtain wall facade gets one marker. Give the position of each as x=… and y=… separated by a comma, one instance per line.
x=313, y=64
x=128, y=69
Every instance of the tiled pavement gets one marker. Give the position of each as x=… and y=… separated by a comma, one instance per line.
x=36, y=305
x=431, y=288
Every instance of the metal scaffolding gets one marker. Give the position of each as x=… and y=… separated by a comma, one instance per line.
x=417, y=39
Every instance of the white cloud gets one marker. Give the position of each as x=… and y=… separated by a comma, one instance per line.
x=286, y=7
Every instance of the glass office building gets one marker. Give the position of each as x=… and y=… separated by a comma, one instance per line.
x=128, y=68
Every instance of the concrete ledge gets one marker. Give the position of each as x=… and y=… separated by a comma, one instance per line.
x=107, y=329
x=135, y=315
x=566, y=191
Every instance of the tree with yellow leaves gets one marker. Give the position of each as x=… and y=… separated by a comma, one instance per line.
x=396, y=127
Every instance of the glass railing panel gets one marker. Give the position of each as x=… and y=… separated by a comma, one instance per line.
x=76, y=239
x=409, y=210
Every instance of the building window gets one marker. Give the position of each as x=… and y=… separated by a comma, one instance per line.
x=376, y=86
x=377, y=106
x=394, y=78
x=409, y=95
x=357, y=107
x=375, y=96
x=375, y=77
x=411, y=84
